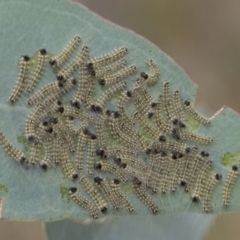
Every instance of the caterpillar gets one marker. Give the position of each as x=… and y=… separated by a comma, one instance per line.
x=41, y=62
x=23, y=65
x=65, y=72
x=81, y=144
x=114, y=67
x=214, y=179
x=143, y=197
x=83, y=202
x=94, y=194
x=109, y=57
x=195, y=114
x=109, y=167
x=13, y=152
x=103, y=184
x=58, y=60
x=120, y=196
x=115, y=78
x=228, y=186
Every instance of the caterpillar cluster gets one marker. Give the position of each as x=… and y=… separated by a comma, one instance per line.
x=150, y=150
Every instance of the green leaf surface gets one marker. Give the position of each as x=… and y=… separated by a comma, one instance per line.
x=141, y=228
x=29, y=25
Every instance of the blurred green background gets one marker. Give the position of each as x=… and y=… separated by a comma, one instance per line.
x=203, y=37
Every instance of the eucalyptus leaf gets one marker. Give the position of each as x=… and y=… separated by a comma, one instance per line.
x=29, y=25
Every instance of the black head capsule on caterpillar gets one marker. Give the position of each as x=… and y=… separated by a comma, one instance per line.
x=228, y=186
x=82, y=201
x=23, y=66
x=90, y=69
x=197, y=116
x=37, y=74
x=101, y=152
x=59, y=59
